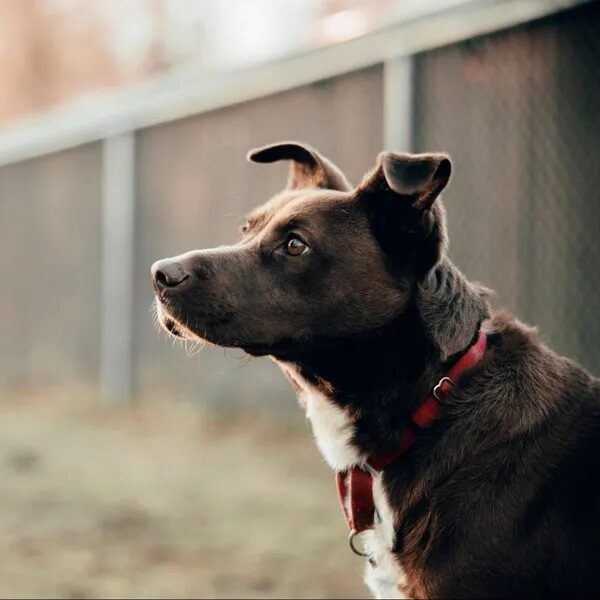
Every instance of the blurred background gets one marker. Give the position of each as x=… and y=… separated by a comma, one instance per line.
x=134, y=467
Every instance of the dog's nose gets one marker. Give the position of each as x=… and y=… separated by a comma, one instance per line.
x=168, y=274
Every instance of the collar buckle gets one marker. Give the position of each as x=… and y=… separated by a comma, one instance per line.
x=438, y=388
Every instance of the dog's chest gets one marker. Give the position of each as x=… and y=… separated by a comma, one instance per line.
x=333, y=433
x=383, y=574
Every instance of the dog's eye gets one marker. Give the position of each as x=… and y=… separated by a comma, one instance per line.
x=245, y=227
x=295, y=246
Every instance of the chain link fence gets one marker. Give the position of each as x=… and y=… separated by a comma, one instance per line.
x=518, y=111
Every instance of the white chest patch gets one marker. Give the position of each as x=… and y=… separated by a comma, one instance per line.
x=383, y=575
x=333, y=432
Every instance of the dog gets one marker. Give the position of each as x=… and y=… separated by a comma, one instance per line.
x=467, y=452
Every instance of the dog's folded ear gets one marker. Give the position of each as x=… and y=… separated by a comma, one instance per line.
x=399, y=196
x=420, y=177
x=308, y=168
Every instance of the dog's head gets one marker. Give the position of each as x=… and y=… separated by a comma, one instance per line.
x=319, y=260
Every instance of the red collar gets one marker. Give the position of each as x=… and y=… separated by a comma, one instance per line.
x=355, y=485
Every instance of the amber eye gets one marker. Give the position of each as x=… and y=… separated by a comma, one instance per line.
x=295, y=246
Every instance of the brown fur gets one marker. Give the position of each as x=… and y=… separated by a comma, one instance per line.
x=500, y=496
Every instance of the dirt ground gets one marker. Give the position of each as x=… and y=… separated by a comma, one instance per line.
x=161, y=500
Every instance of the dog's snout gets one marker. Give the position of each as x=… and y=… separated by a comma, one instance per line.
x=168, y=274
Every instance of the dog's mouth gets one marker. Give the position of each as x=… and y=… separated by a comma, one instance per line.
x=171, y=325
x=177, y=329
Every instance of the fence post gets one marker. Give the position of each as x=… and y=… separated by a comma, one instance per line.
x=118, y=208
x=398, y=103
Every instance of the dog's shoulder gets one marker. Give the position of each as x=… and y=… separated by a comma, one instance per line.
x=522, y=390
x=517, y=448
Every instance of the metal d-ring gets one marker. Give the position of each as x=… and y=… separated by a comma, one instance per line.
x=354, y=549
x=436, y=389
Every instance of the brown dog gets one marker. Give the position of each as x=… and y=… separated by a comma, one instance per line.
x=493, y=490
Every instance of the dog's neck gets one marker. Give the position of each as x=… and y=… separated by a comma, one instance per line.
x=379, y=377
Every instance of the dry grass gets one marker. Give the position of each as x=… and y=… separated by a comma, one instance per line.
x=162, y=501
